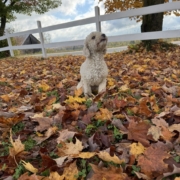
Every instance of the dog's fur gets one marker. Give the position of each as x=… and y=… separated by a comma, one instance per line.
x=94, y=70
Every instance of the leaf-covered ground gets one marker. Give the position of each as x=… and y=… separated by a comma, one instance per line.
x=50, y=131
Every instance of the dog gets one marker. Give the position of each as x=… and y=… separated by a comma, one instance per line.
x=94, y=70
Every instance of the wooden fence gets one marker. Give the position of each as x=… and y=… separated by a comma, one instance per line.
x=97, y=19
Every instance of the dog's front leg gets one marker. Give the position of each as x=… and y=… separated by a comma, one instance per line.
x=87, y=89
x=102, y=86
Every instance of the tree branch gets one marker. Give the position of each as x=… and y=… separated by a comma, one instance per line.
x=5, y=1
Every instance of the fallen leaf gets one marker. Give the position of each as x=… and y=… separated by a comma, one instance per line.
x=107, y=157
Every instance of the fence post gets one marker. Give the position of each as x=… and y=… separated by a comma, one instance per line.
x=98, y=23
x=9, y=44
x=41, y=39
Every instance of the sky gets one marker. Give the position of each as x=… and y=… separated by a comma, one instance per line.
x=71, y=10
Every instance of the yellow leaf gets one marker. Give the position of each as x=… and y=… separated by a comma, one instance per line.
x=17, y=146
x=71, y=148
x=71, y=172
x=78, y=92
x=103, y=115
x=39, y=134
x=56, y=106
x=86, y=155
x=29, y=167
x=45, y=87
x=56, y=176
x=5, y=97
x=136, y=149
x=107, y=157
x=72, y=99
x=123, y=88
x=23, y=72
x=153, y=103
x=111, y=82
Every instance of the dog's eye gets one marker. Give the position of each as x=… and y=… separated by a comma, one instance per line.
x=93, y=37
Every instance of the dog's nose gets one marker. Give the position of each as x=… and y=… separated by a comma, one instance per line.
x=103, y=35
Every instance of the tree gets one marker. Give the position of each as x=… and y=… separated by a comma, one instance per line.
x=150, y=22
x=8, y=8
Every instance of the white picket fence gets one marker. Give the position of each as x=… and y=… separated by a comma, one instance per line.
x=97, y=19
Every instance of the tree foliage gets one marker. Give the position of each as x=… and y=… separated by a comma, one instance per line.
x=8, y=9
x=121, y=5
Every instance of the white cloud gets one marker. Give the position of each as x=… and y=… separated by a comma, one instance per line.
x=69, y=7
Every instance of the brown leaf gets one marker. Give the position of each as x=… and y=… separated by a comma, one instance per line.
x=64, y=135
x=44, y=123
x=139, y=131
x=148, y=161
x=103, y=115
x=107, y=173
x=143, y=108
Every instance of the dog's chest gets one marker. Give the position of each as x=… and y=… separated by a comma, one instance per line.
x=95, y=72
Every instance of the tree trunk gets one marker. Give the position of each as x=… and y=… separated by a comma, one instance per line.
x=3, y=25
x=3, y=43
x=152, y=22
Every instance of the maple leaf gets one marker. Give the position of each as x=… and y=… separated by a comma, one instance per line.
x=86, y=155
x=48, y=133
x=78, y=92
x=154, y=104
x=45, y=87
x=155, y=131
x=64, y=135
x=60, y=161
x=17, y=146
x=56, y=176
x=72, y=99
x=174, y=127
x=71, y=148
x=143, y=108
x=44, y=123
x=107, y=173
x=107, y=157
x=138, y=132
x=26, y=176
x=136, y=149
x=103, y=115
x=151, y=162
x=164, y=127
x=176, y=170
x=29, y=167
x=71, y=172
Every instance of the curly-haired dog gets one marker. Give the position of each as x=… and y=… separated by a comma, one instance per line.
x=94, y=70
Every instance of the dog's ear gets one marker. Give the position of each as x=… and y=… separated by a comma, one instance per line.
x=86, y=51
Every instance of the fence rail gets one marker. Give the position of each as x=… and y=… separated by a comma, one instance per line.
x=97, y=19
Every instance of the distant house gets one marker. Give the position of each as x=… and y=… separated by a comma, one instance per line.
x=30, y=39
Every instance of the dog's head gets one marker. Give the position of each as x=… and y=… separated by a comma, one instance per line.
x=95, y=42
